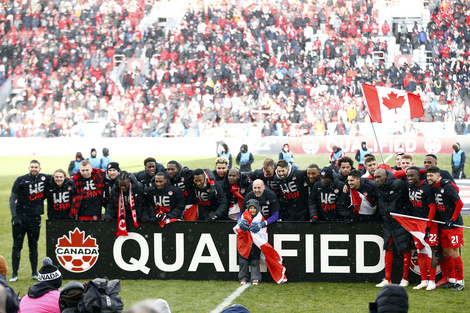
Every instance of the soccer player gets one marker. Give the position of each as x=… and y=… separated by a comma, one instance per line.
x=448, y=208
x=221, y=168
x=26, y=206
x=89, y=197
x=292, y=194
x=392, y=196
x=431, y=160
x=313, y=175
x=110, y=179
x=166, y=201
x=360, y=154
x=397, y=166
x=182, y=177
x=363, y=197
x=269, y=205
x=422, y=203
x=370, y=165
x=346, y=165
x=59, y=193
x=151, y=167
x=327, y=201
x=406, y=161
x=235, y=187
x=211, y=200
x=267, y=174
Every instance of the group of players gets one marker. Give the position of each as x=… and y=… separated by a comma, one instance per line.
x=337, y=192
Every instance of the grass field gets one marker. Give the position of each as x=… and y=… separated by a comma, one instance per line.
x=204, y=296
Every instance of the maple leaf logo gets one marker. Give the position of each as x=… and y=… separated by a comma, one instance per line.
x=77, y=239
x=393, y=101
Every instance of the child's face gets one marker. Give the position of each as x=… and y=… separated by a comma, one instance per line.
x=252, y=210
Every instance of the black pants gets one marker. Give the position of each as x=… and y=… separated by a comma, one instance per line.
x=30, y=225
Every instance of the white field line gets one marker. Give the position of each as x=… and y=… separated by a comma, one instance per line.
x=230, y=298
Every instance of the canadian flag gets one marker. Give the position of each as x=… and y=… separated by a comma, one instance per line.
x=417, y=228
x=390, y=105
x=362, y=204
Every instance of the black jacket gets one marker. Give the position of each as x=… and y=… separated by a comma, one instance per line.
x=27, y=195
x=211, y=200
x=270, y=182
x=169, y=200
x=112, y=209
x=184, y=181
x=329, y=203
x=293, y=196
x=59, y=199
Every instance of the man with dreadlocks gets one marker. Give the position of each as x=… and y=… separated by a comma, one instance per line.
x=125, y=203
x=88, y=200
x=211, y=199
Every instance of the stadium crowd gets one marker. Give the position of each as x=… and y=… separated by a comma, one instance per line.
x=225, y=64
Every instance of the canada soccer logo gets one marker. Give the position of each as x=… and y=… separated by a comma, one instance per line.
x=76, y=253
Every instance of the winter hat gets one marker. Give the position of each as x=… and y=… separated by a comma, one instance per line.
x=392, y=298
x=79, y=155
x=3, y=266
x=327, y=172
x=50, y=273
x=253, y=202
x=237, y=308
x=105, y=151
x=92, y=150
x=114, y=165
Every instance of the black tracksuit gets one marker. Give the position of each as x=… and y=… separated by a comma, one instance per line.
x=293, y=196
x=59, y=199
x=169, y=200
x=329, y=203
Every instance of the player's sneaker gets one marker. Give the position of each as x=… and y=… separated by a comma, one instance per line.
x=431, y=285
x=442, y=282
x=243, y=282
x=383, y=283
x=404, y=282
x=255, y=282
x=457, y=287
x=14, y=278
x=35, y=276
x=446, y=285
x=423, y=284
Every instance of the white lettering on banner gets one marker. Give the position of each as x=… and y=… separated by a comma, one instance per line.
x=134, y=265
x=326, y=252
x=213, y=257
x=278, y=239
x=309, y=254
x=360, y=254
x=158, y=253
x=232, y=253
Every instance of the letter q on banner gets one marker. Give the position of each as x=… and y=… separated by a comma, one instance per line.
x=134, y=265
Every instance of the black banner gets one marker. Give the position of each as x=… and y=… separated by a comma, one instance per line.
x=330, y=252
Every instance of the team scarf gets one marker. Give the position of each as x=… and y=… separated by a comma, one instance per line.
x=245, y=240
x=122, y=227
x=97, y=177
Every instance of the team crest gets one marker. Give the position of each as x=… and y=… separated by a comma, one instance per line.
x=267, y=202
x=242, y=191
x=76, y=253
x=43, y=178
x=170, y=192
x=182, y=178
x=442, y=190
x=365, y=193
x=294, y=178
x=336, y=190
x=414, y=267
x=70, y=188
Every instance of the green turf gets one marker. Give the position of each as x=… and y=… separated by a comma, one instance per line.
x=204, y=296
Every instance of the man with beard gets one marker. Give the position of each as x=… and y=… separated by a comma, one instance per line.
x=392, y=196
x=125, y=203
x=221, y=169
x=360, y=154
x=211, y=201
x=145, y=176
x=235, y=187
x=111, y=173
x=59, y=193
x=363, y=197
x=90, y=189
x=313, y=175
x=292, y=194
x=26, y=206
x=346, y=165
x=182, y=177
x=165, y=200
x=268, y=203
x=266, y=174
x=327, y=201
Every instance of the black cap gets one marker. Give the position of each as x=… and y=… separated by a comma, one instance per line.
x=327, y=172
x=79, y=155
x=105, y=151
x=114, y=165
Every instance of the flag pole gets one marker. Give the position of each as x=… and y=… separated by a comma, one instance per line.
x=425, y=219
x=373, y=128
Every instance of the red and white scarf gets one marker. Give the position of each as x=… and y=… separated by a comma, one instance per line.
x=122, y=227
x=245, y=239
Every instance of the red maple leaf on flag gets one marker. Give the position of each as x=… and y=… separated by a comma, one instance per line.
x=393, y=102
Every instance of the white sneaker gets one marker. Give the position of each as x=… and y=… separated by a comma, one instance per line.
x=404, y=282
x=431, y=285
x=383, y=283
x=423, y=284
x=14, y=278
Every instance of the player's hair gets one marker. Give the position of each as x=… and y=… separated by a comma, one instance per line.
x=160, y=174
x=221, y=160
x=431, y=155
x=174, y=163
x=282, y=163
x=268, y=162
x=407, y=156
x=433, y=169
x=224, y=145
x=369, y=159
x=149, y=159
x=59, y=170
x=314, y=166
x=355, y=173
x=85, y=163
x=35, y=162
x=455, y=146
x=345, y=159
x=413, y=168
x=198, y=171
x=399, y=154
x=123, y=175
x=367, y=155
